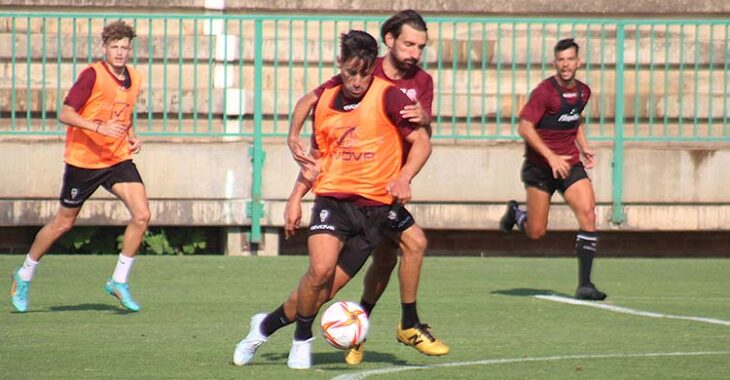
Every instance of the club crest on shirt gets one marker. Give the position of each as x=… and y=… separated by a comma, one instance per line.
x=410, y=93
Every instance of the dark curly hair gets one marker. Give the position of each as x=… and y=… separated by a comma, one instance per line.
x=116, y=30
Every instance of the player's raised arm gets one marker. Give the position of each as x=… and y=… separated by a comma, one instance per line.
x=299, y=116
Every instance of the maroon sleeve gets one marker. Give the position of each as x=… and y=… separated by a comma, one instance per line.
x=81, y=89
x=586, y=93
x=536, y=105
x=425, y=91
x=395, y=100
x=332, y=82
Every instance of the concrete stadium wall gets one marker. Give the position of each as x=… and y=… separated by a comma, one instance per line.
x=464, y=186
x=188, y=183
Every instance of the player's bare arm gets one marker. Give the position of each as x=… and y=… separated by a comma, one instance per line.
x=582, y=142
x=417, y=157
x=299, y=115
x=560, y=165
x=135, y=144
x=112, y=128
x=293, y=209
x=304, y=182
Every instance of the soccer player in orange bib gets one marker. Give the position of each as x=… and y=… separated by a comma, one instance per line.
x=405, y=34
x=100, y=142
x=359, y=139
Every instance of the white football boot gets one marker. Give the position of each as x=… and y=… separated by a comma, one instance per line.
x=300, y=356
x=246, y=349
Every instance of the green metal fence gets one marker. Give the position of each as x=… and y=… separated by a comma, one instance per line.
x=201, y=72
x=206, y=75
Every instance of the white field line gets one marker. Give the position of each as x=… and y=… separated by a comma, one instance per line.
x=385, y=371
x=626, y=310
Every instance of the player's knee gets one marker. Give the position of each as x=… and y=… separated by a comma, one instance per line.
x=587, y=216
x=416, y=247
x=319, y=275
x=62, y=226
x=535, y=233
x=385, y=262
x=385, y=256
x=142, y=218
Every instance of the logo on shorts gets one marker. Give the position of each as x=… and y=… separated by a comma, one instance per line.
x=74, y=193
x=392, y=215
x=323, y=215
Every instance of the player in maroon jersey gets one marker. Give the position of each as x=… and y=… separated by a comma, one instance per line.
x=551, y=125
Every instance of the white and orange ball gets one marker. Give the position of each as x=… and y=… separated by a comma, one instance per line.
x=344, y=324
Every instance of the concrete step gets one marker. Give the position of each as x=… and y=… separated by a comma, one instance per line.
x=444, y=132
x=157, y=100
x=461, y=43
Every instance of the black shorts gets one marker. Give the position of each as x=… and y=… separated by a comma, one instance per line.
x=399, y=219
x=80, y=183
x=541, y=177
x=360, y=228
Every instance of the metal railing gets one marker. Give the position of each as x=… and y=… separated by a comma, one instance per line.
x=240, y=75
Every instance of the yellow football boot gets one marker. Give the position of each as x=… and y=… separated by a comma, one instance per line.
x=421, y=339
x=355, y=355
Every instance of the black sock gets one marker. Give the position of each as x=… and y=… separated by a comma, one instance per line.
x=304, y=327
x=367, y=306
x=410, y=315
x=274, y=321
x=521, y=219
x=585, y=248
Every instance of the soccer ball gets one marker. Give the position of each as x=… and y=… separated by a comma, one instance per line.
x=344, y=325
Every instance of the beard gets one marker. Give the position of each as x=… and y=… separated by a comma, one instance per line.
x=403, y=66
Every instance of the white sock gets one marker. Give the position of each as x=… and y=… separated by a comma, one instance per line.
x=121, y=271
x=27, y=270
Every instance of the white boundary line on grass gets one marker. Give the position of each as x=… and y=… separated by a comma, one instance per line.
x=385, y=371
x=626, y=310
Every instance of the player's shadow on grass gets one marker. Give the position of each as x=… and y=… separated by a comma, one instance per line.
x=327, y=360
x=528, y=292
x=89, y=307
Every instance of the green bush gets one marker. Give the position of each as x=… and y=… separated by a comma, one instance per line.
x=108, y=240
x=184, y=241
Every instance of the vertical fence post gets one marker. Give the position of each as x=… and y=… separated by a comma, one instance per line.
x=618, y=134
x=257, y=152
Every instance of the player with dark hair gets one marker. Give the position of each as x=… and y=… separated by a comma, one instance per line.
x=360, y=171
x=100, y=142
x=405, y=35
x=551, y=125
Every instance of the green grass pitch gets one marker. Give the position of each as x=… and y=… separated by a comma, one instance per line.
x=195, y=309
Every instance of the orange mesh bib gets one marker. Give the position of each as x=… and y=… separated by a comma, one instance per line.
x=361, y=149
x=108, y=101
